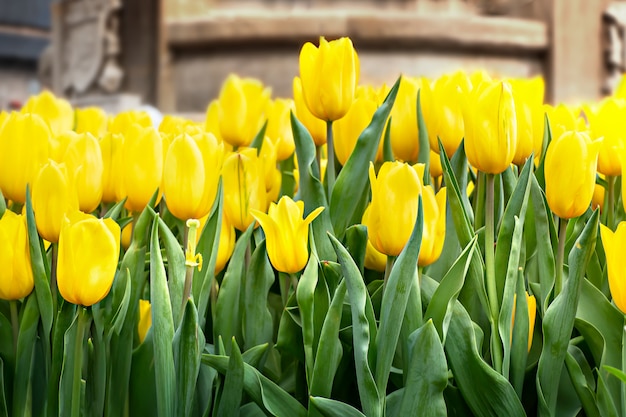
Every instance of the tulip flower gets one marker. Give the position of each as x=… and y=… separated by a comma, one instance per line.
x=607, y=123
x=315, y=126
x=347, y=130
x=244, y=187
x=279, y=127
x=435, y=165
x=241, y=111
x=614, y=243
x=83, y=159
x=24, y=149
x=330, y=75
x=56, y=112
x=287, y=234
x=531, y=301
x=89, y=251
x=142, y=166
x=91, y=120
x=434, y=231
x=396, y=190
x=597, y=201
x=374, y=260
x=191, y=174
x=226, y=245
x=145, y=319
x=404, y=133
x=529, y=116
x=570, y=172
x=16, y=274
x=562, y=119
x=123, y=121
x=59, y=144
x=490, y=127
x=53, y=198
x=111, y=148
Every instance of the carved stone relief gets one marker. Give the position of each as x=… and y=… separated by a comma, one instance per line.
x=614, y=19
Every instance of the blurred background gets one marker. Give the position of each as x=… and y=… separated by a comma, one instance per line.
x=175, y=54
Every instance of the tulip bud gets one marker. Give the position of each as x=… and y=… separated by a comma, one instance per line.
x=123, y=121
x=16, y=274
x=56, y=112
x=279, y=127
x=330, y=75
x=89, y=251
x=244, y=187
x=404, y=133
x=531, y=301
x=396, y=190
x=287, y=234
x=570, y=172
x=83, y=159
x=434, y=231
x=529, y=117
x=111, y=148
x=226, y=246
x=315, y=126
x=614, y=244
x=607, y=123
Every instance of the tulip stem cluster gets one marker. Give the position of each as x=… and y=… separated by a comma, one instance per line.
x=560, y=256
x=492, y=292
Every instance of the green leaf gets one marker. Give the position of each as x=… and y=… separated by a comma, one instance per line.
x=424, y=144
x=24, y=360
x=288, y=181
x=115, y=210
x=4, y=408
x=547, y=138
x=175, y=270
x=333, y=408
x=119, y=317
x=387, y=151
x=233, y=385
x=363, y=331
x=257, y=142
x=254, y=355
x=73, y=349
x=427, y=375
x=350, y=193
x=142, y=394
x=574, y=362
x=95, y=387
x=257, y=319
x=558, y=321
x=395, y=298
x=305, y=294
x=356, y=243
x=162, y=329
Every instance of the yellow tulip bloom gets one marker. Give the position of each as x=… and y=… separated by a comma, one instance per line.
x=490, y=127
x=56, y=112
x=570, y=172
x=85, y=167
x=226, y=246
x=434, y=231
x=374, y=260
x=607, y=123
x=191, y=174
x=396, y=190
x=24, y=149
x=330, y=75
x=16, y=274
x=145, y=319
x=123, y=121
x=346, y=131
x=614, y=244
x=287, y=233
x=315, y=126
x=279, y=127
x=563, y=118
x=529, y=114
x=91, y=120
x=111, y=149
x=404, y=133
x=89, y=250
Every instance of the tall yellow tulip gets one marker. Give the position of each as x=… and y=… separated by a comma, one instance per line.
x=330, y=75
x=287, y=233
x=570, y=171
x=24, y=149
x=404, y=133
x=226, y=246
x=56, y=112
x=434, y=231
x=614, y=243
x=111, y=148
x=123, y=121
x=191, y=174
x=346, y=131
x=529, y=113
x=490, y=127
x=89, y=250
x=315, y=126
x=83, y=159
x=16, y=274
x=562, y=119
x=396, y=190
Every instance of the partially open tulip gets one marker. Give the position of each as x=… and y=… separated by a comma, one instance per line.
x=83, y=159
x=279, y=127
x=56, y=112
x=490, y=127
x=393, y=210
x=241, y=110
x=315, y=126
x=287, y=233
x=89, y=250
x=24, y=149
x=434, y=231
x=570, y=172
x=16, y=274
x=346, y=131
x=191, y=175
x=330, y=75
x=374, y=260
x=404, y=133
x=608, y=123
x=53, y=197
x=614, y=244
x=111, y=148
x=529, y=116
x=145, y=319
x=91, y=120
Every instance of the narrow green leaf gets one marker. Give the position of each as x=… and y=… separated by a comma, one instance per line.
x=24, y=359
x=115, y=210
x=519, y=338
x=175, y=269
x=95, y=387
x=387, y=151
x=606, y=405
x=615, y=372
x=582, y=388
x=233, y=384
x=4, y=408
x=423, y=156
x=254, y=355
x=547, y=138
x=142, y=390
x=356, y=243
x=257, y=142
x=333, y=408
x=257, y=319
x=305, y=294
x=288, y=181
x=460, y=168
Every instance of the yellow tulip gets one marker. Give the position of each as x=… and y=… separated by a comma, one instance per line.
x=597, y=201
x=145, y=319
x=142, y=166
x=570, y=172
x=24, y=149
x=435, y=165
x=529, y=113
x=244, y=187
x=614, y=243
x=315, y=126
x=267, y=157
x=191, y=174
x=396, y=190
x=287, y=233
x=241, y=111
x=59, y=144
x=531, y=301
x=127, y=235
x=330, y=75
x=16, y=274
x=374, y=260
x=53, y=198
x=226, y=245
x=91, y=120
x=434, y=231
x=490, y=127
x=56, y=112
x=404, y=133
x=346, y=131
x=279, y=127
x=85, y=167
x=123, y=121
x=441, y=108
x=111, y=148
x=174, y=125
x=562, y=119
x=608, y=124
x=89, y=250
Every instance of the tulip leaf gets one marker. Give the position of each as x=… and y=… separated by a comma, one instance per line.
x=387, y=151
x=363, y=331
x=350, y=193
x=257, y=319
x=254, y=355
x=288, y=181
x=427, y=375
x=395, y=299
x=24, y=358
x=574, y=362
x=257, y=142
x=118, y=319
x=520, y=336
x=558, y=320
x=333, y=408
x=142, y=395
x=289, y=338
x=95, y=388
x=175, y=270
x=115, y=210
x=3, y=206
x=423, y=156
x=232, y=391
x=311, y=190
x=229, y=297
x=4, y=408
x=356, y=243
x=305, y=295
x=271, y=398
x=605, y=404
x=547, y=138
x=460, y=168
x=162, y=329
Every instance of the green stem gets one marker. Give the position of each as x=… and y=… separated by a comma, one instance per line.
x=15, y=324
x=610, y=210
x=191, y=232
x=285, y=286
x=83, y=322
x=560, y=256
x=330, y=163
x=388, y=268
x=490, y=265
x=53, y=274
